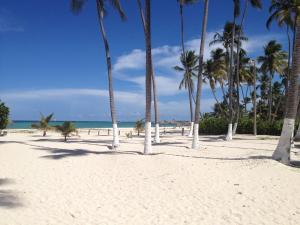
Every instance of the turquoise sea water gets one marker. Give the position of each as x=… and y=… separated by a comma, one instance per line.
x=79, y=124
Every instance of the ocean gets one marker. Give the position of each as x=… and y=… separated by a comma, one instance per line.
x=26, y=124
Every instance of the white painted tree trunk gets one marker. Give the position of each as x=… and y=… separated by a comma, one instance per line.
x=282, y=152
x=157, y=138
x=229, y=132
x=116, y=142
x=147, y=146
x=191, y=129
x=195, y=143
x=234, y=128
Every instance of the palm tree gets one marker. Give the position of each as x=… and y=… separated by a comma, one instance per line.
x=282, y=152
x=189, y=61
x=43, y=124
x=156, y=119
x=146, y=22
x=285, y=13
x=66, y=129
x=181, y=5
x=76, y=6
x=228, y=39
x=214, y=73
x=139, y=126
x=254, y=4
x=195, y=144
x=272, y=62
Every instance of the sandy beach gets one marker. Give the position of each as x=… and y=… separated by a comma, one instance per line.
x=46, y=181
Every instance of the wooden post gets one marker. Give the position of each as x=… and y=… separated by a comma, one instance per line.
x=108, y=132
x=182, y=131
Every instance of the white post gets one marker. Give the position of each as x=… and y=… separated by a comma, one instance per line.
x=115, y=136
x=229, y=132
x=157, y=139
x=195, y=143
x=147, y=146
x=191, y=129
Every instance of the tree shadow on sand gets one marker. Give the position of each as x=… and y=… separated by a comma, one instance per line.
x=8, y=198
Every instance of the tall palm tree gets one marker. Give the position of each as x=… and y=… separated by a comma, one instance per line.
x=254, y=4
x=272, y=62
x=156, y=118
x=146, y=21
x=182, y=3
x=189, y=61
x=282, y=152
x=228, y=39
x=236, y=13
x=195, y=144
x=285, y=14
x=76, y=6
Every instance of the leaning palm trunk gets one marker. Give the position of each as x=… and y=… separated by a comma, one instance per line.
x=195, y=144
x=110, y=81
x=157, y=138
x=148, y=147
x=229, y=132
x=282, y=152
x=191, y=111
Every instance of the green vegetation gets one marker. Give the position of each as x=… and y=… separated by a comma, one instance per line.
x=43, y=124
x=66, y=129
x=139, y=126
x=4, y=116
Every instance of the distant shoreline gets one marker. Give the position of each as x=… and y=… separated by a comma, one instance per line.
x=26, y=124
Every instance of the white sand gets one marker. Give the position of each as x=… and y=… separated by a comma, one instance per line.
x=46, y=181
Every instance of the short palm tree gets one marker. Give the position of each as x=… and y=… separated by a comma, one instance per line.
x=195, y=143
x=76, y=6
x=273, y=61
x=139, y=126
x=189, y=61
x=66, y=129
x=43, y=124
x=282, y=152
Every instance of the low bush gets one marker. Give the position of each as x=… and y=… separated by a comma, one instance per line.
x=217, y=126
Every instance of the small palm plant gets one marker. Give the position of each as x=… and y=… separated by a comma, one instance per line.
x=66, y=129
x=43, y=124
x=139, y=126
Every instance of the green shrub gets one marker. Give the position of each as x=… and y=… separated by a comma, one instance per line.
x=217, y=126
x=4, y=113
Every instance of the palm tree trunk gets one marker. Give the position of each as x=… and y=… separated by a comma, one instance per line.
x=148, y=147
x=156, y=120
x=254, y=101
x=238, y=68
x=110, y=80
x=157, y=138
x=195, y=144
x=182, y=26
x=229, y=132
x=270, y=97
x=286, y=84
x=282, y=152
x=191, y=111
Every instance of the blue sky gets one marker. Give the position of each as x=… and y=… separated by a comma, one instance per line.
x=54, y=61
